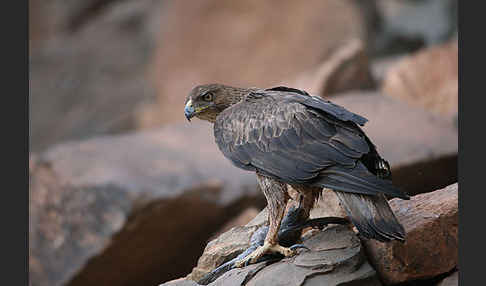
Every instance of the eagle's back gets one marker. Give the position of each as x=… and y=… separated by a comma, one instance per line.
x=296, y=138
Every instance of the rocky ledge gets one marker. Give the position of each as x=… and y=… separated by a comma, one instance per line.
x=338, y=256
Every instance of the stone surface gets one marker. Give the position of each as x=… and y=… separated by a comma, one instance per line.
x=180, y=282
x=380, y=67
x=407, y=25
x=451, y=280
x=130, y=209
x=420, y=147
x=427, y=79
x=88, y=67
x=226, y=246
x=431, y=248
x=247, y=43
x=243, y=218
x=346, y=69
x=336, y=259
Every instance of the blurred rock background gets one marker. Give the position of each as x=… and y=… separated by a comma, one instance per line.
x=123, y=191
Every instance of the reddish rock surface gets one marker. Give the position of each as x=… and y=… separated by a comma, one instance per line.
x=243, y=218
x=427, y=79
x=346, y=69
x=88, y=67
x=131, y=209
x=247, y=43
x=380, y=67
x=431, y=247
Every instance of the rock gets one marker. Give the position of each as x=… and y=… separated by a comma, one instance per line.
x=243, y=218
x=134, y=209
x=88, y=67
x=420, y=147
x=180, y=282
x=427, y=79
x=380, y=67
x=336, y=258
x=407, y=25
x=451, y=280
x=346, y=69
x=431, y=247
x=251, y=43
x=226, y=246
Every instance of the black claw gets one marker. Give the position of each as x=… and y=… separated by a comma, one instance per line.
x=297, y=246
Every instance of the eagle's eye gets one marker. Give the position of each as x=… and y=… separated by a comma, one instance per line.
x=208, y=96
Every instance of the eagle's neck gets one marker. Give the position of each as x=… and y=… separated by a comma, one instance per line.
x=236, y=94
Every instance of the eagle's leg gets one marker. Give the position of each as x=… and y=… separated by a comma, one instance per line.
x=307, y=197
x=277, y=197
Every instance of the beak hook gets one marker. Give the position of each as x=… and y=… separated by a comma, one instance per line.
x=189, y=110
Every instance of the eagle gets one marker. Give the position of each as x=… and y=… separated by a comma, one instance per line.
x=292, y=139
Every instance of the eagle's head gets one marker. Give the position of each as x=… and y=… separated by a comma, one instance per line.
x=208, y=100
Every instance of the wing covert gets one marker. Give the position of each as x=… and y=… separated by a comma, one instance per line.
x=282, y=137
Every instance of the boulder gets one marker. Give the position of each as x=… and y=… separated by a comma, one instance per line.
x=243, y=218
x=420, y=147
x=406, y=25
x=227, y=246
x=133, y=209
x=88, y=67
x=427, y=79
x=346, y=69
x=431, y=247
x=380, y=66
x=248, y=43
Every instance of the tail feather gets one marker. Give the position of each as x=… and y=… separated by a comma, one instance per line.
x=372, y=216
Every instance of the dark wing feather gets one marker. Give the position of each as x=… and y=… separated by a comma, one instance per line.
x=288, y=89
x=277, y=134
x=319, y=103
x=333, y=109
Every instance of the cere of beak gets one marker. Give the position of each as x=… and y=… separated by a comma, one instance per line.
x=189, y=110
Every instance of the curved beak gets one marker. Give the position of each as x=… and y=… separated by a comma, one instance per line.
x=189, y=110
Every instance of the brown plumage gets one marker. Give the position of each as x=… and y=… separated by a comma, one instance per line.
x=289, y=137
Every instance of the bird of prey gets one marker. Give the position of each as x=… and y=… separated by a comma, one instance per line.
x=290, y=138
